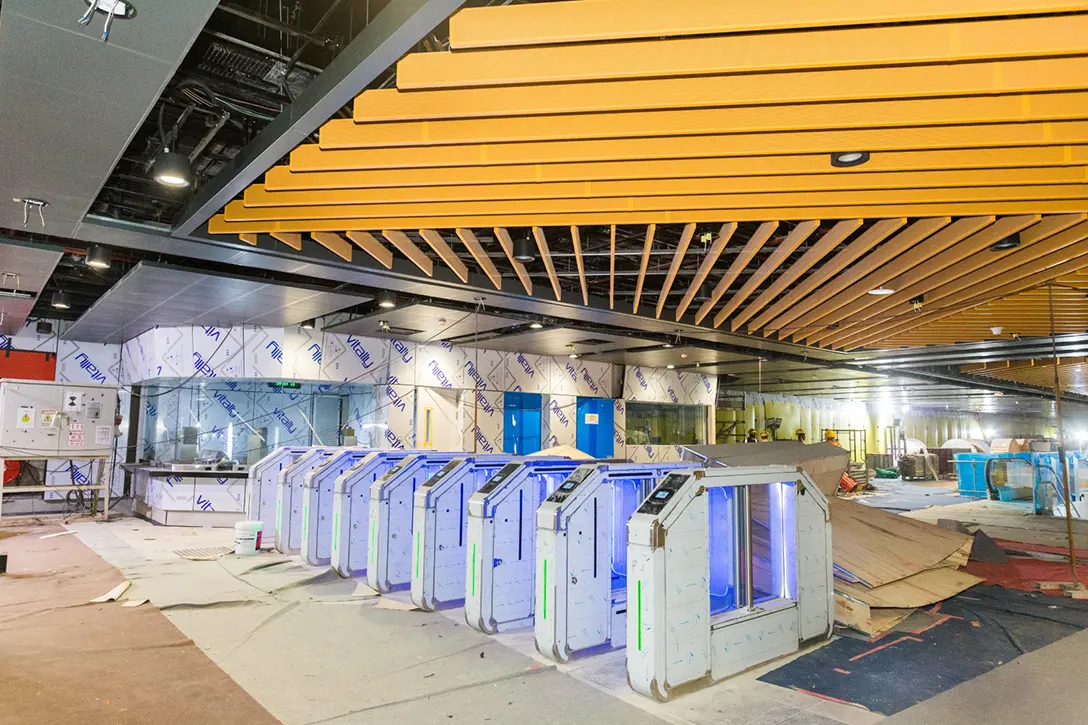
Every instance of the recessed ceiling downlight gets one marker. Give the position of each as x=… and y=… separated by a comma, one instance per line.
x=846, y=159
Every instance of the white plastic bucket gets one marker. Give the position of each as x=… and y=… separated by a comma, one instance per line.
x=247, y=538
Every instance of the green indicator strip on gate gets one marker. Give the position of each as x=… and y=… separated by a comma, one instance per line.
x=545, y=589
x=305, y=520
x=474, y=570
x=335, y=530
x=638, y=606
x=418, y=557
x=370, y=553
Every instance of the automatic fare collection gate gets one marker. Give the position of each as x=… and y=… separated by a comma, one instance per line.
x=581, y=556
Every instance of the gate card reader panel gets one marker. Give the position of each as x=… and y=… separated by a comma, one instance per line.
x=389, y=553
x=262, y=483
x=727, y=568
x=581, y=556
x=351, y=509
x=288, y=536
x=317, y=497
x=499, y=590
x=41, y=419
x=440, y=528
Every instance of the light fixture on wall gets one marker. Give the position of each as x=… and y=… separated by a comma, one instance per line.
x=99, y=257
x=44, y=327
x=60, y=300
x=881, y=291
x=387, y=300
x=523, y=250
x=846, y=159
x=308, y=324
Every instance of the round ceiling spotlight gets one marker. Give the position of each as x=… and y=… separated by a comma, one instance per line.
x=670, y=367
x=387, y=300
x=99, y=257
x=307, y=324
x=60, y=300
x=846, y=159
x=536, y=325
x=523, y=250
x=173, y=169
x=573, y=355
x=1004, y=245
x=881, y=291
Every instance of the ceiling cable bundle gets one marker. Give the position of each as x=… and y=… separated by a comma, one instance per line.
x=112, y=9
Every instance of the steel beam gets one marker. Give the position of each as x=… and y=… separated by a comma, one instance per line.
x=395, y=30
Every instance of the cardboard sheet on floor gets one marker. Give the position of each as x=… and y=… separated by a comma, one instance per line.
x=876, y=547
x=824, y=463
x=919, y=590
x=975, y=632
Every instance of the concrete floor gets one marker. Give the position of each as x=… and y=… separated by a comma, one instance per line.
x=298, y=641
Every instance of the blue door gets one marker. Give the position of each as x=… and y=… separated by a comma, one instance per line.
x=594, y=427
x=521, y=425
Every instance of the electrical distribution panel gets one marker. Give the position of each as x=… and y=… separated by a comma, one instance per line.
x=56, y=420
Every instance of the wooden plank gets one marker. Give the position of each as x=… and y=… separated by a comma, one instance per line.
x=576, y=242
x=785, y=248
x=378, y=251
x=650, y=231
x=507, y=245
x=711, y=258
x=219, y=225
x=334, y=243
x=918, y=590
x=910, y=283
x=553, y=23
x=918, y=257
x=341, y=133
x=1045, y=229
x=477, y=251
x=248, y=238
x=1044, y=260
x=546, y=258
x=677, y=260
x=612, y=268
x=445, y=252
x=831, y=239
x=311, y=157
x=746, y=89
x=871, y=237
x=810, y=308
x=758, y=239
x=878, y=547
x=291, y=239
x=409, y=249
x=770, y=52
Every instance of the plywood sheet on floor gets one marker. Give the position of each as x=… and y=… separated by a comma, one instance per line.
x=877, y=547
x=63, y=660
x=919, y=590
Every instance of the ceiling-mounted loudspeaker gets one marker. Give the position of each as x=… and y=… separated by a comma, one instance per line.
x=44, y=328
x=387, y=300
x=99, y=257
x=523, y=250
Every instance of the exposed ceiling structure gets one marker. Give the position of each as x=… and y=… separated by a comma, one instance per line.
x=160, y=295
x=1072, y=372
x=24, y=271
x=655, y=188
x=70, y=103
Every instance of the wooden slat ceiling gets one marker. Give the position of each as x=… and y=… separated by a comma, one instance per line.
x=680, y=159
x=1072, y=372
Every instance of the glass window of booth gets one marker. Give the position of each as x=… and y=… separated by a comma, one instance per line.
x=244, y=420
x=652, y=424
